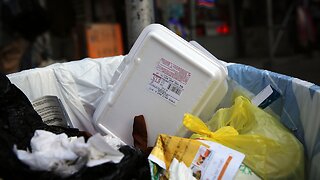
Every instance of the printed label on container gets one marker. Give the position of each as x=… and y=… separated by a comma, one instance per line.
x=51, y=110
x=169, y=80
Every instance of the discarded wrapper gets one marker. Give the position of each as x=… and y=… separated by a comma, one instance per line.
x=208, y=160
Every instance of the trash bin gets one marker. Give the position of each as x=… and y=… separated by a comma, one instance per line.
x=297, y=108
x=81, y=84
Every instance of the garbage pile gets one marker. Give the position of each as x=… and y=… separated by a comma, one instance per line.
x=30, y=148
x=183, y=119
x=241, y=134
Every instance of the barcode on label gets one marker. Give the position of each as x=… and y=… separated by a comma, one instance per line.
x=175, y=89
x=168, y=81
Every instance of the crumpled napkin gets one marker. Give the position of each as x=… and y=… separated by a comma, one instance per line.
x=179, y=171
x=65, y=156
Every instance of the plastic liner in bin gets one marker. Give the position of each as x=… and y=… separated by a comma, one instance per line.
x=78, y=84
x=298, y=108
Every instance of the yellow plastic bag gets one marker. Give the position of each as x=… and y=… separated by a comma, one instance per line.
x=272, y=152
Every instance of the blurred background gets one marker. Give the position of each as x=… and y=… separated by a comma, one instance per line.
x=278, y=35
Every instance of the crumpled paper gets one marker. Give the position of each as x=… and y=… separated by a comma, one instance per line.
x=65, y=156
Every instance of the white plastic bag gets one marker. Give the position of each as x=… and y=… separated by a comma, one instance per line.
x=78, y=84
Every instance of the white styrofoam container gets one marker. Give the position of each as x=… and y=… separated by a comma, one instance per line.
x=162, y=78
